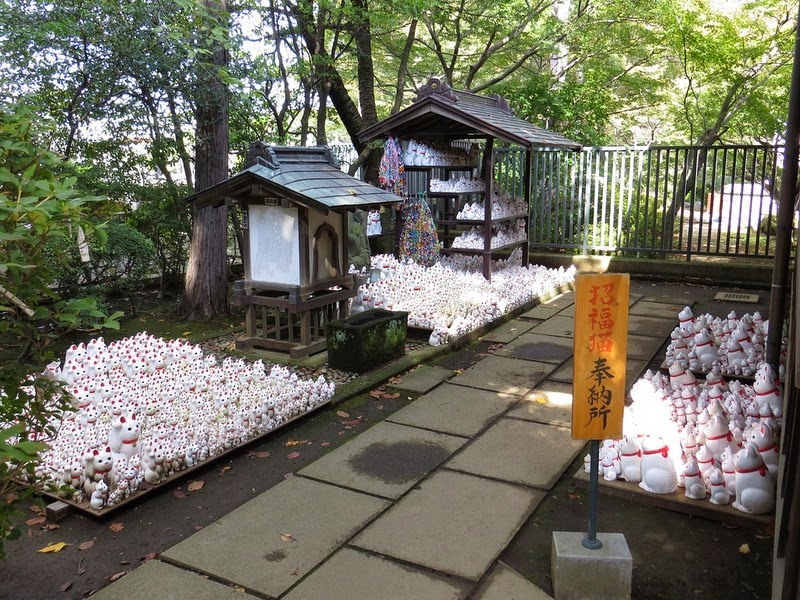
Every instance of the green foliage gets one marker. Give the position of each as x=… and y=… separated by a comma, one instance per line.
x=39, y=205
x=164, y=217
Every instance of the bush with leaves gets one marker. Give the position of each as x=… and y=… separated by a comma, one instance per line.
x=38, y=205
x=115, y=267
x=163, y=215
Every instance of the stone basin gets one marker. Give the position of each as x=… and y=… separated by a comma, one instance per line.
x=366, y=340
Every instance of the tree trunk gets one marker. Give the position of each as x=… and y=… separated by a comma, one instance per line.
x=206, y=287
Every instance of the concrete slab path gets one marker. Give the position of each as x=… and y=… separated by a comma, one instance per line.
x=422, y=504
x=454, y=522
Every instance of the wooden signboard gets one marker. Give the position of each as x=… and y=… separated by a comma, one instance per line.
x=601, y=340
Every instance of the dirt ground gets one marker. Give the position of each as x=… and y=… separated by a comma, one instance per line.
x=676, y=556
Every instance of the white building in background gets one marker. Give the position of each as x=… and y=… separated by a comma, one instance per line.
x=742, y=204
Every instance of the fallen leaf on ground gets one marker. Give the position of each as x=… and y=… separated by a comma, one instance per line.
x=65, y=587
x=225, y=469
x=287, y=537
x=744, y=548
x=195, y=485
x=261, y=454
x=573, y=496
x=116, y=576
x=185, y=333
x=149, y=556
x=116, y=527
x=376, y=394
x=35, y=508
x=290, y=443
x=342, y=414
x=198, y=527
x=352, y=423
x=35, y=521
x=57, y=547
x=325, y=444
x=10, y=498
x=388, y=396
x=395, y=380
x=288, y=475
x=293, y=455
x=124, y=562
x=80, y=571
x=296, y=571
x=86, y=545
x=51, y=526
x=379, y=407
x=179, y=493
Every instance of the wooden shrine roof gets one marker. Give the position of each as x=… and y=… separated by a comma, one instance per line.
x=442, y=112
x=307, y=176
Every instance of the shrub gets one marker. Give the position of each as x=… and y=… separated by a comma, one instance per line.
x=39, y=206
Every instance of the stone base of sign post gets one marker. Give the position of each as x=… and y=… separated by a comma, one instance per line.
x=580, y=573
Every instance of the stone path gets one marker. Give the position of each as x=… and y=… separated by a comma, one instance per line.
x=420, y=505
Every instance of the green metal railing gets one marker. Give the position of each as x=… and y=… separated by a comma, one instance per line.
x=654, y=202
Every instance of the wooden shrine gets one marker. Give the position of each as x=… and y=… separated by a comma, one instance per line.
x=442, y=116
x=294, y=203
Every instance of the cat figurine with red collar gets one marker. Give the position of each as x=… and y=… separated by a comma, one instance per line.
x=755, y=493
x=630, y=457
x=718, y=435
x=763, y=439
x=717, y=487
x=123, y=437
x=98, y=467
x=658, y=469
x=693, y=480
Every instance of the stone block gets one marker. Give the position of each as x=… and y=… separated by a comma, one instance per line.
x=57, y=511
x=366, y=340
x=579, y=573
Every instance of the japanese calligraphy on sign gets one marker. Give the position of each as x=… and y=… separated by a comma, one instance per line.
x=601, y=340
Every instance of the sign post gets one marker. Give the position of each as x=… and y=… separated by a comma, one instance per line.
x=598, y=385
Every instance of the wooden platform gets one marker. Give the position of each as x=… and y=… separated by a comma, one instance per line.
x=145, y=489
x=678, y=502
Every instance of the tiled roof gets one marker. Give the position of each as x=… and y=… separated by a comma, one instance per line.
x=444, y=112
x=306, y=176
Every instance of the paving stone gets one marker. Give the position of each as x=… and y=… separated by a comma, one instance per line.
x=504, y=583
x=246, y=546
x=650, y=326
x=350, y=575
x=155, y=579
x=454, y=522
x=454, y=409
x=657, y=309
x=564, y=372
x=633, y=371
x=520, y=452
x=549, y=403
x=563, y=301
x=643, y=348
x=422, y=379
x=533, y=346
x=386, y=460
x=505, y=375
x=559, y=325
x=507, y=331
x=540, y=313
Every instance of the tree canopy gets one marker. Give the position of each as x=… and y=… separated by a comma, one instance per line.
x=135, y=89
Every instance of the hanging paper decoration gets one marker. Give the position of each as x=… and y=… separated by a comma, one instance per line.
x=391, y=174
x=419, y=239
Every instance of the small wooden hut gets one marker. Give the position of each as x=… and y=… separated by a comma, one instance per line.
x=294, y=203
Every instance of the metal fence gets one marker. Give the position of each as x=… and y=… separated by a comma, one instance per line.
x=652, y=202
